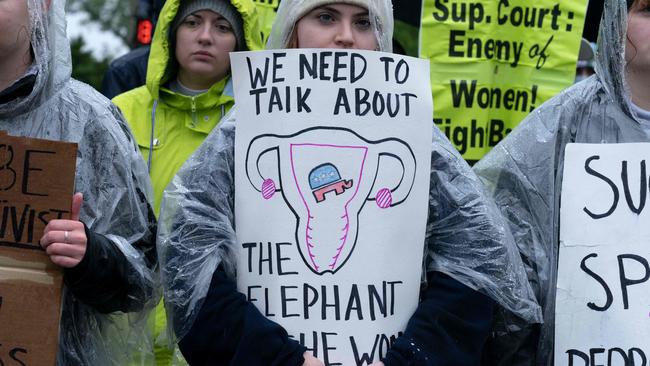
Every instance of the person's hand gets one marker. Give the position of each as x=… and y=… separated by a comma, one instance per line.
x=65, y=240
x=310, y=360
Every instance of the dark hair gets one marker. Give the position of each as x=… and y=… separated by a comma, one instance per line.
x=629, y=4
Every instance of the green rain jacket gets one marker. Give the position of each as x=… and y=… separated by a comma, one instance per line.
x=170, y=124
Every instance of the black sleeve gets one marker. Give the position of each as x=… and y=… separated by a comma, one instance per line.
x=449, y=327
x=101, y=278
x=512, y=342
x=229, y=330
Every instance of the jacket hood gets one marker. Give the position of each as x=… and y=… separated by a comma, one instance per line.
x=291, y=11
x=610, y=58
x=51, y=51
x=160, y=56
x=113, y=179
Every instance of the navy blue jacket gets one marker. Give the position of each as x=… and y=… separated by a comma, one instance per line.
x=126, y=72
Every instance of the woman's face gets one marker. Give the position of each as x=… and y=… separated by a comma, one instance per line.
x=637, y=49
x=336, y=26
x=203, y=43
x=14, y=28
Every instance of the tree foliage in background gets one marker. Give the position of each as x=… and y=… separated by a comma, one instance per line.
x=115, y=16
x=85, y=67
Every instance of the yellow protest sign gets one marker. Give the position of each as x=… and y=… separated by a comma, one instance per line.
x=494, y=61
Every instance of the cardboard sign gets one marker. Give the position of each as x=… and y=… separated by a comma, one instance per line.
x=332, y=161
x=603, y=287
x=493, y=62
x=36, y=185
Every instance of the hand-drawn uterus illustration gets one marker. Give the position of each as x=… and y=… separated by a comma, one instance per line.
x=326, y=175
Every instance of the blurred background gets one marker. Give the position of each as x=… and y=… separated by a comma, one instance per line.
x=103, y=30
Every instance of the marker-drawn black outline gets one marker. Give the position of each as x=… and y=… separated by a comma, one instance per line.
x=298, y=218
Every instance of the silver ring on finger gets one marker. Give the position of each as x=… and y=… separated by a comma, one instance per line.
x=65, y=236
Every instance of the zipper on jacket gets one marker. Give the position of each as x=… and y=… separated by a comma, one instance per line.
x=152, y=139
x=193, y=104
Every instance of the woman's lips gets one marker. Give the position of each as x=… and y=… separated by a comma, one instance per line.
x=203, y=54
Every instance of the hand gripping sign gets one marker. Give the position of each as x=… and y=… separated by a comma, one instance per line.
x=332, y=174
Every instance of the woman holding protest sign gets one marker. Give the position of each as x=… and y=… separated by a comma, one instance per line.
x=107, y=247
x=525, y=172
x=217, y=325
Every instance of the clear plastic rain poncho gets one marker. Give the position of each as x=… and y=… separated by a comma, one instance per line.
x=113, y=179
x=524, y=174
x=466, y=235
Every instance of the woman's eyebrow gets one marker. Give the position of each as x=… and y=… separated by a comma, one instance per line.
x=196, y=15
x=325, y=7
x=218, y=17
x=362, y=13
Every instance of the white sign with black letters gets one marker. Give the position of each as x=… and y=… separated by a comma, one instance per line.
x=332, y=160
x=603, y=287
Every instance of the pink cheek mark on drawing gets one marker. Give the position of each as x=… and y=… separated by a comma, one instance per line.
x=384, y=198
x=268, y=189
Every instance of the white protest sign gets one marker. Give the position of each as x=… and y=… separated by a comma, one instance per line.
x=603, y=288
x=332, y=166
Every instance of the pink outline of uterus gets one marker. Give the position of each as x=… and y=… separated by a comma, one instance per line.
x=327, y=228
